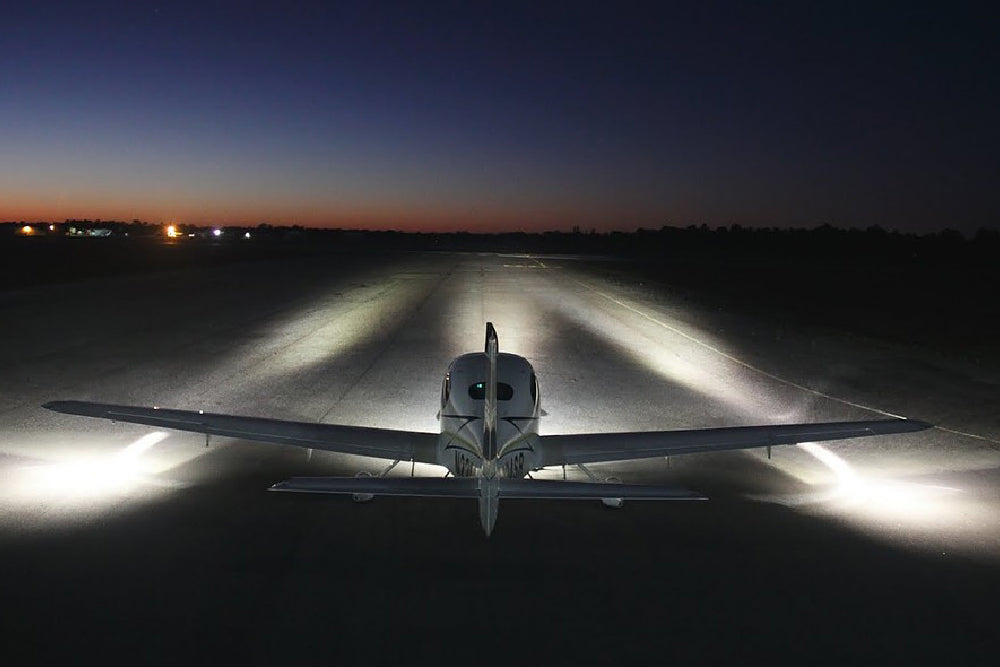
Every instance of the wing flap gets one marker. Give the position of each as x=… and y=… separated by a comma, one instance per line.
x=595, y=447
x=364, y=441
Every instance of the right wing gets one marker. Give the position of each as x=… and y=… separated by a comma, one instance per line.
x=364, y=441
x=559, y=450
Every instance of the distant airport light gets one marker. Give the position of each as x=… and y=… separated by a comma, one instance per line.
x=27, y=230
x=216, y=232
x=171, y=231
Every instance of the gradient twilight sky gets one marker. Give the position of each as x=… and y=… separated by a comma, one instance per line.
x=534, y=116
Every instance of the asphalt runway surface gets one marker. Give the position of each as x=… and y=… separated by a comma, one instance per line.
x=125, y=544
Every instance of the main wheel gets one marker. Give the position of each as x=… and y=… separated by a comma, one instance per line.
x=363, y=497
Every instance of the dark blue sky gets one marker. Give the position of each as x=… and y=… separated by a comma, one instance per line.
x=502, y=116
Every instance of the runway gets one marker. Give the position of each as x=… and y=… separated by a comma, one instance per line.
x=122, y=542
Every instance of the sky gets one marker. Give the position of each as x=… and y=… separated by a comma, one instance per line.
x=502, y=116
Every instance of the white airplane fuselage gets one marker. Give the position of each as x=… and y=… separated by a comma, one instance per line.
x=465, y=447
x=461, y=446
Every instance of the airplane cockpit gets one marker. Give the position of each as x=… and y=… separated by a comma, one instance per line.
x=463, y=399
x=464, y=387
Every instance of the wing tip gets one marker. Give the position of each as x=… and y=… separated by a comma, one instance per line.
x=60, y=406
x=912, y=425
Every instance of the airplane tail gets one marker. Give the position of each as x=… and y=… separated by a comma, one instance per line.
x=490, y=403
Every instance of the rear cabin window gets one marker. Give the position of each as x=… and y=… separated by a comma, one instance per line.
x=504, y=391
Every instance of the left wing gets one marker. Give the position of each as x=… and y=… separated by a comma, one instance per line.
x=375, y=442
x=596, y=447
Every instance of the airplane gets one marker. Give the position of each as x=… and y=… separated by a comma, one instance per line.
x=488, y=441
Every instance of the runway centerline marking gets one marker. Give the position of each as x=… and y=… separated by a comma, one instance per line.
x=760, y=371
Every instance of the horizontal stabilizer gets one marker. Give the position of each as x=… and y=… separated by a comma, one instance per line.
x=468, y=487
x=561, y=490
x=443, y=487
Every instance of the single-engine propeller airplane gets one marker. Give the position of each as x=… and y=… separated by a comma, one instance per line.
x=489, y=441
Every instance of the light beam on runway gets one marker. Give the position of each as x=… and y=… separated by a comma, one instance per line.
x=82, y=486
x=94, y=476
x=659, y=347
x=289, y=345
x=143, y=444
x=878, y=498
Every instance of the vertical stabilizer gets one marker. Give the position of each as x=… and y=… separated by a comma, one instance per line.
x=490, y=404
x=489, y=485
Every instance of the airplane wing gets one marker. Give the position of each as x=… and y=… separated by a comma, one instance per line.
x=374, y=442
x=596, y=447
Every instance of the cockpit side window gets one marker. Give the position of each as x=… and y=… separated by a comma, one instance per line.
x=533, y=387
x=478, y=391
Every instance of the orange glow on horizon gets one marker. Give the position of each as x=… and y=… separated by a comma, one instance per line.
x=420, y=217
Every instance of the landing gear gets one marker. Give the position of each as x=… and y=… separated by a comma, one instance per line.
x=363, y=497
x=368, y=497
x=611, y=503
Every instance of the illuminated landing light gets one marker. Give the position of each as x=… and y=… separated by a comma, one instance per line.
x=216, y=232
x=246, y=235
x=172, y=231
x=27, y=230
x=143, y=444
x=839, y=467
x=880, y=498
x=52, y=228
x=92, y=478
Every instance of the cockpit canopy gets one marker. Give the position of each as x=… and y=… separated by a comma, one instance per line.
x=517, y=386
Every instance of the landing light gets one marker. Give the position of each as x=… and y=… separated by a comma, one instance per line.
x=171, y=231
x=216, y=232
x=101, y=476
x=879, y=498
x=27, y=230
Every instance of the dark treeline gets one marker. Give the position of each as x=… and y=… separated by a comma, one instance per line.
x=934, y=290
x=667, y=242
